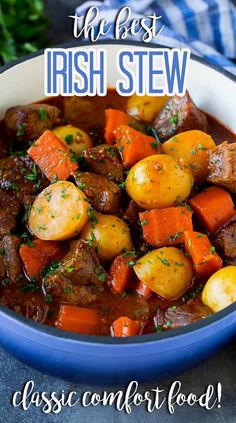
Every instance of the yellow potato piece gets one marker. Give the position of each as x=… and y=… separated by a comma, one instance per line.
x=191, y=148
x=158, y=181
x=165, y=271
x=146, y=107
x=220, y=290
x=59, y=212
x=74, y=138
x=109, y=235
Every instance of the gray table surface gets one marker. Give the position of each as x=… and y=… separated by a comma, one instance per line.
x=220, y=368
x=13, y=374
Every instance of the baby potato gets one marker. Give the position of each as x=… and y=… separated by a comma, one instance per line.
x=59, y=212
x=109, y=235
x=165, y=271
x=220, y=290
x=158, y=181
x=145, y=107
x=191, y=148
x=74, y=138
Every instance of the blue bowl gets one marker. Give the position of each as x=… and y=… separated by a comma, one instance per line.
x=104, y=360
x=107, y=361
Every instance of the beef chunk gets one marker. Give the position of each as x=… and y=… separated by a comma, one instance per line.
x=179, y=316
x=9, y=209
x=103, y=194
x=78, y=278
x=131, y=215
x=26, y=123
x=12, y=261
x=180, y=114
x=226, y=241
x=20, y=176
x=104, y=160
x=222, y=165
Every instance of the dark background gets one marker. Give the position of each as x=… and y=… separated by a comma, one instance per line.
x=221, y=368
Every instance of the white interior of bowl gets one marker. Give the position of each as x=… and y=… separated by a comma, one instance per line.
x=212, y=91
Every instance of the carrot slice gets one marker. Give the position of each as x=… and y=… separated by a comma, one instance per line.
x=115, y=118
x=78, y=319
x=124, y=326
x=204, y=257
x=134, y=145
x=143, y=290
x=213, y=207
x=122, y=272
x=37, y=256
x=163, y=227
x=53, y=157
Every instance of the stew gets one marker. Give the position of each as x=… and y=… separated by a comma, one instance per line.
x=117, y=215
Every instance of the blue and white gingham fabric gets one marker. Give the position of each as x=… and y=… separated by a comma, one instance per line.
x=207, y=27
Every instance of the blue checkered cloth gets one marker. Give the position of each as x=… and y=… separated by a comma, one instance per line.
x=207, y=27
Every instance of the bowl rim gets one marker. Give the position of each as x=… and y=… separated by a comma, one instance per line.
x=108, y=340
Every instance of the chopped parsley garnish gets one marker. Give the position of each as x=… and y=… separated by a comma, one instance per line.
x=81, y=185
x=92, y=218
x=169, y=323
x=32, y=176
x=43, y=114
x=131, y=263
x=131, y=253
x=164, y=260
x=155, y=144
x=70, y=269
x=69, y=139
x=158, y=328
x=68, y=290
x=48, y=194
x=212, y=250
x=101, y=275
x=122, y=185
x=174, y=237
x=2, y=251
x=143, y=222
x=91, y=240
x=21, y=129
x=121, y=148
x=174, y=119
x=173, y=308
x=48, y=299
x=54, y=178
x=53, y=266
x=201, y=148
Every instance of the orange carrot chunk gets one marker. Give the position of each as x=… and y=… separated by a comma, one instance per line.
x=78, y=320
x=143, y=290
x=163, y=227
x=134, y=145
x=124, y=326
x=204, y=257
x=114, y=119
x=122, y=272
x=52, y=156
x=213, y=207
x=38, y=255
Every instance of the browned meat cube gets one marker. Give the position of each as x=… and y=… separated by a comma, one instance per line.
x=131, y=215
x=103, y=194
x=180, y=114
x=79, y=276
x=104, y=160
x=11, y=257
x=226, y=241
x=9, y=209
x=222, y=165
x=20, y=176
x=178, y=316
x=25, y=123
